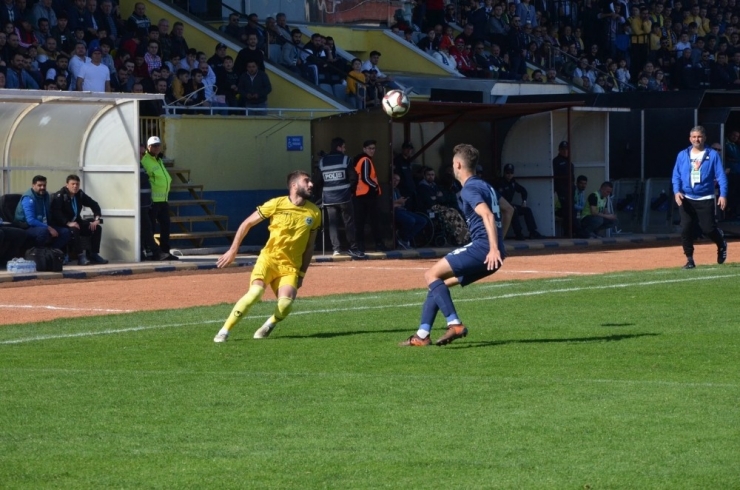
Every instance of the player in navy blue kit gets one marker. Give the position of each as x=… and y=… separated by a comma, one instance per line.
x=488, y=217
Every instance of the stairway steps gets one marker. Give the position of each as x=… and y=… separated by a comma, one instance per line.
x=198, y=219
x=185, y=187
x=192, y=202
x=199, y=235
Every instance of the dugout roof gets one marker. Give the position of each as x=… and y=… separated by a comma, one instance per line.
x=93, y=135
x=422, y=111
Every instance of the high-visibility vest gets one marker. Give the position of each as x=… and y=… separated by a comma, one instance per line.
x=362, y=187
x=337, y=187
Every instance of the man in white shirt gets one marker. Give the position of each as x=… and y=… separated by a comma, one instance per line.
x=94, y=76
x=372, y=64
x=78, y=60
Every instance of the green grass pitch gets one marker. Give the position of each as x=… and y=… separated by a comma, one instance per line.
x=628, y=380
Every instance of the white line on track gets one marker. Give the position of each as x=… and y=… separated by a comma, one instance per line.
x=66, y=308
x=378, y=307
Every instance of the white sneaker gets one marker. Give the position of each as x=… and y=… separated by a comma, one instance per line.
x=221, y=337
x=265, y=330
x=337, y=253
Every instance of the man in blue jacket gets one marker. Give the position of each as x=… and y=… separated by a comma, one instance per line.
x=34, y=211
x=696, y=170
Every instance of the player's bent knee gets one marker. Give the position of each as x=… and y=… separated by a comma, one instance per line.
x=284, y=305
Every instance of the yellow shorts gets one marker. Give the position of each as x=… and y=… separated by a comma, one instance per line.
x=274, y=276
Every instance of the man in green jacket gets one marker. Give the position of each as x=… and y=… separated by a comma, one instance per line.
x=160, y=179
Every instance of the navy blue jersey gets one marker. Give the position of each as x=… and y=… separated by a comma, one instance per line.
x=474, y=192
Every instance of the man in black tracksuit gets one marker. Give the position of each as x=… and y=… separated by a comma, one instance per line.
x=66, y=206
x=338, y=180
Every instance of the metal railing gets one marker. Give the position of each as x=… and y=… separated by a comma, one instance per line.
x=275, y=112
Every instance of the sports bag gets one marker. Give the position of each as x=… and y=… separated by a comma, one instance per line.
x=47, y=259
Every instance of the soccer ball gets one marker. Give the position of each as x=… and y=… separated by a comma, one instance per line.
x=396, y=104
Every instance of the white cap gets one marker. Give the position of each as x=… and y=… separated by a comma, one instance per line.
x=154, y=140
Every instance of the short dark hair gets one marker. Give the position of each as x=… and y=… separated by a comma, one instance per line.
x=74, y=177
x=374, y=53
x=608, y=184
x=367, y=143
x=294, y=31
x=38, y=178
x=295, y=175
x=336, y=142
x=582, y=178
x=468, y=154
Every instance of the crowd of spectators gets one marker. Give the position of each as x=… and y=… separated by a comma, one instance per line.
x=604, y=46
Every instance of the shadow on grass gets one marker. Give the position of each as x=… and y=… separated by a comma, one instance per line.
x=617, y=324
x=329, y=335
x=606, y=338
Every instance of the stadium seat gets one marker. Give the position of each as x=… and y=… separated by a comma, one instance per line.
x=8, y=203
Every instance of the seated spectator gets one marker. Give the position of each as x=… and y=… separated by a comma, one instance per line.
x=190, y=61
x=281, y=22
x=253, y=27
x=151, y=58
x=292, y=58
x=462, y=58
x=273, y=40
x=430, y=194
x=408, y=224
x=233, y=28
x=579, y=203
x=121, y=82
x=195, y=90
x=372, y=64
x=374, y=90
x=445, y=58
x=217, y=60
x=430, y=43
x=61, y=82
x=481, y=62
x=42, y=33
x=107, y=19
x=2, y=80
x=507, y=187
x=66, y=206
x=595, y=216
x=34, y=214
x=356, y=85
x=254, y=87
x=176, y=91
x=17, y=76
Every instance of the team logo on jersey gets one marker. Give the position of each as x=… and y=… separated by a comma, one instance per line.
x=309, y=221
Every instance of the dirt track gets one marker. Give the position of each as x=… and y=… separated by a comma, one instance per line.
x=41, y=300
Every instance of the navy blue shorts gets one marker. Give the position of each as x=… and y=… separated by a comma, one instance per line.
x=468, y=263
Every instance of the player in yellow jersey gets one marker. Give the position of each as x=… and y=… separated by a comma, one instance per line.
x=282, y=263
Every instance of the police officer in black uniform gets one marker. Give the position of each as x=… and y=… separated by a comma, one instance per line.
x=338, y=179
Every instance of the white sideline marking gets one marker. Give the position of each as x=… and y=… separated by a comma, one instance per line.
x=377, y=307
x=569, y=273
x=66, y=308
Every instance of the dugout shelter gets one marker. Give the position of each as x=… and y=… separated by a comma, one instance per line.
x=526, y=135
x=93, y=135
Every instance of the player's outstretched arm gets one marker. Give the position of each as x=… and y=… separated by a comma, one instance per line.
x=244, y=228
x=493, y=259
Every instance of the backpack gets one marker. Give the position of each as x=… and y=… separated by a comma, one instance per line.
x=456, y=229
x=47, y=259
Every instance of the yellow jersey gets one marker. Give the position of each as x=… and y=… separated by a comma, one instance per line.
x=290, y=227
